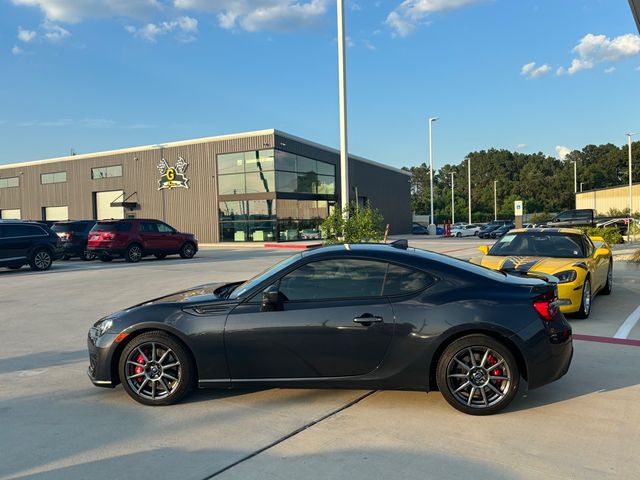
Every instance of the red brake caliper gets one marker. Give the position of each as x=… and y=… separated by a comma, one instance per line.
x=496, y=372
x=140, y=359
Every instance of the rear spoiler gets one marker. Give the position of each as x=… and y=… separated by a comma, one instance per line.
x=542, y=276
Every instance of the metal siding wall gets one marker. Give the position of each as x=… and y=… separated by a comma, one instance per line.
x=604, y=200
x=194, y=210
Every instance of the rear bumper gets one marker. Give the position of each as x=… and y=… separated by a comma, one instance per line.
x=73, y=249
x=109, y=252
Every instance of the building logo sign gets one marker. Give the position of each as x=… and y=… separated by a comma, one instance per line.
x=173, y=177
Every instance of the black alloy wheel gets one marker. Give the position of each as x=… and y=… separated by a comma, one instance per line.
x=155, y=369
x=133, y=253
x=478, y=375
x=188, y=250
x=606, y=290
x=41, y=260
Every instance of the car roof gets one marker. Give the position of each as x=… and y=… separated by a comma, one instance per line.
x=547, y=230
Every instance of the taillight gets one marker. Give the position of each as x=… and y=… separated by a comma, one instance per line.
x=107, y=236
x=547, y=305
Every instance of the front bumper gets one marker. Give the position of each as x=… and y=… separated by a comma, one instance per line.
x=101, y=349
x=571, y=296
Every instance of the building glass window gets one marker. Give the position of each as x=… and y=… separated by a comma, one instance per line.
x=233, y=211
x=230, y=163
x=247, y=231
x=58, y=177
x=231, y=184
x=106, y=172
x=9, y=182
x=285, y=161
x=286, y=182
x=259, y=161
x=262, y=209
x=260, y=182
x=306, y=165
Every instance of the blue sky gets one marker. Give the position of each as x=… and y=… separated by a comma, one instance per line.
x=527, y=75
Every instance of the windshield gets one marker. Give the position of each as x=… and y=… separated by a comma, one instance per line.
x=261, y=277
x=540, y=244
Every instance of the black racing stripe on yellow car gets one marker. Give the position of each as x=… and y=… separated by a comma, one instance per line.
x=519, y=264
x=581, y=265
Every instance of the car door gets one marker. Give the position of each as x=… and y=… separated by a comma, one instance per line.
x=17, y=240
x=170, y=239
x=151, y=238
x=331, y=321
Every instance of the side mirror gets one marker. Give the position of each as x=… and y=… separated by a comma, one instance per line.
x=484, y=249
x=271, y=299
x=601, y=252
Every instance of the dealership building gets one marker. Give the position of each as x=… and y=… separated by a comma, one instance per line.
x=250, y=187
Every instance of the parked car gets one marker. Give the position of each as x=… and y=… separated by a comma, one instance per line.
x=74, y=236
x=586, y=217
x=23, y=242
x=582, y=264
x=485, y=232
x=366, y=305
x=133, y=239
x=310, y=234
x=501, y=231
x=418, y=229
x=466, y=230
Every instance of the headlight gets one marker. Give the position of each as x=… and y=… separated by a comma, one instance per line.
x=103, y=326
x=566, y=276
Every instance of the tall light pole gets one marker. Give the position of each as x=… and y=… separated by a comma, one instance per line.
x=575, y=182
x=431, y=223
x=469, y=179
x=495, y=200
x=453, y=201
x=344, y=156
x=629, y=136
x=582, y=183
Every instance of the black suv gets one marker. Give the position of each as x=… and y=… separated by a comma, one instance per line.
x=73, y=235
x=30, y=243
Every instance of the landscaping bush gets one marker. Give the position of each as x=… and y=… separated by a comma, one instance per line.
x=363, y=225
x=611, y=235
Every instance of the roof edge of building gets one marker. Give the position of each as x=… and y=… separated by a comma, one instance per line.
x=142, y=148
x=335, y=150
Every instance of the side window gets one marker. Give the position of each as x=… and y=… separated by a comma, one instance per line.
x=23, y=231
x=401, y=280
x=164, y=228
x=589, y=247
x=148, y=227
x=334, y=279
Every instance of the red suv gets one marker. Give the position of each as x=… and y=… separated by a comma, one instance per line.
x=136, y=238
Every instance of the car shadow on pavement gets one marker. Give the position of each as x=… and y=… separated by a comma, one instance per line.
x=33, y=361
x=352, y=463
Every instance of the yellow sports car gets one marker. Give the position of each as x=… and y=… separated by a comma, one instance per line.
x=583, y=265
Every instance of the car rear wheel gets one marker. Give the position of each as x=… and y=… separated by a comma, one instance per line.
x=41, y=260
x=585, y=304
x=155, y=369
x=606, y=290
x=188, y=250
x=133, y=253
x=478, y=375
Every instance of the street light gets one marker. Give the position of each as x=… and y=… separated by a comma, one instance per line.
x=344, y=158
x=629, y=136
x=469, y=179
x=582, y=183
x=453, y=202
x=495, y=200
x=432, y=223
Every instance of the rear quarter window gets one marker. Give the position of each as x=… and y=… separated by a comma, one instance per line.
x=401, y=280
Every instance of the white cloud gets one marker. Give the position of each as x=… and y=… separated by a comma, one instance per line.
x=609, y=70
x=26, y=35
x=405, y=17
x=349, y=42
x=530, y=71
x=521, y=146
x=595, y=49
x=368, y=45
x=54, y=33
x=254, y=15
x=16, y=50
x=562, y=152
x=184, y=28
x=78, y=10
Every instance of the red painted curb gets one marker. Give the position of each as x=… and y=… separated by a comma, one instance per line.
x=616, y=341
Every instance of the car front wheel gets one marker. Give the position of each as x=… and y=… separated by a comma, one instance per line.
x=188, y=250
x=585, y=304
x=155, y=369
x=478, y=375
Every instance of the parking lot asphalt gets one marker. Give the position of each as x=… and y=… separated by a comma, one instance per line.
x=55, y=424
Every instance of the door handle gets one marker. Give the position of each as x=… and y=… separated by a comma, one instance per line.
x=367, y=319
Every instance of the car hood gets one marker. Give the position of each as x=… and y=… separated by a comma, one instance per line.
x=525, y=264
x=201, y=293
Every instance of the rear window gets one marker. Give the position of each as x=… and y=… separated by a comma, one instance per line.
x=112, y=227
x=70, y=227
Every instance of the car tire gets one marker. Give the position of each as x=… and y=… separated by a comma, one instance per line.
x=88, y=255
x=587, y=299
x=458, y=235
x=606, y=290
x=41, y=260
x=160, y=256
x=155, y=369
x=106, y=258
x=188, y=250
x=478, y=375
x=133, y=253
